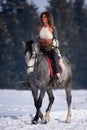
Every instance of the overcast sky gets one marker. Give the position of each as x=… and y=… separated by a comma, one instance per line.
x=41, y=4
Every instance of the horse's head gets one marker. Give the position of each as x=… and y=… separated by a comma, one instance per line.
x=28, y=48
x=30, y=55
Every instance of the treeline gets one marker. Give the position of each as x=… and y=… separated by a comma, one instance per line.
x=18, y=23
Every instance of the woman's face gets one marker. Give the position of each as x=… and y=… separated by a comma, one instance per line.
x=44, y=18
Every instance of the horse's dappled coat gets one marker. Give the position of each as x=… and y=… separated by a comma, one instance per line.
x=40, y=79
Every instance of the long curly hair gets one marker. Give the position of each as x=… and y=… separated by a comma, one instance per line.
x=49, y=17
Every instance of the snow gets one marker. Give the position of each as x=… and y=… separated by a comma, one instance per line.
x=17, y=111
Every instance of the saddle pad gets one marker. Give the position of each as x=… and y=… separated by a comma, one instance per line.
x=50, y=66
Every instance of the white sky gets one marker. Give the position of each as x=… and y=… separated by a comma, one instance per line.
x=41, y=4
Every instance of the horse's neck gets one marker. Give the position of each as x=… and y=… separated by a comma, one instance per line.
x=39, y=56
x=36, y=48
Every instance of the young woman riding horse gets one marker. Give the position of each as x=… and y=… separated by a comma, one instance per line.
x=46, y=34
x=39, y=73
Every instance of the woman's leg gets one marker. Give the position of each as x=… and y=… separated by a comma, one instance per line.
x=55, y=61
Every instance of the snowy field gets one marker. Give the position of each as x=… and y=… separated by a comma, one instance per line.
x=17, y=111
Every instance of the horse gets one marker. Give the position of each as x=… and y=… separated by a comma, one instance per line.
x=40, y=81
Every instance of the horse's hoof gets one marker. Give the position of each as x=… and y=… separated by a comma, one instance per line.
x=67, y=121
x=34, y=122
x=44, y=122
x=46, y=118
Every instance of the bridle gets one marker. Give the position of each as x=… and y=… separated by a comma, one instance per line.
x=31, y=66
x=36, y=62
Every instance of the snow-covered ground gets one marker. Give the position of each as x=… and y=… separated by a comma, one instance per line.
x=17, y=111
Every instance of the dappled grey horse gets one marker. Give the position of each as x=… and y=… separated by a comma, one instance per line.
x=39, y=79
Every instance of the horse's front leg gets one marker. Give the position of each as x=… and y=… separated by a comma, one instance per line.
x=38, y=104
x=51, y=100
x=68, y=99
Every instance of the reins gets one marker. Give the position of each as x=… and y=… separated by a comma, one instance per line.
x=36, y=65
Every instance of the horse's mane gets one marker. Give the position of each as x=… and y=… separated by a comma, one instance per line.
x=29, y=47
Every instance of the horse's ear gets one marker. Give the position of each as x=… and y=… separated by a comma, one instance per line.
x=31, y=41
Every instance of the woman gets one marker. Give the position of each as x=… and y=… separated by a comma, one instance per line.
x=46, y=31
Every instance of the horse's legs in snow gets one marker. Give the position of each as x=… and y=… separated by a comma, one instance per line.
x=68, y=99
x=51, y=100
x=38, y=103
